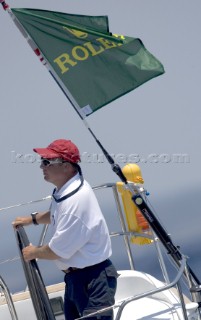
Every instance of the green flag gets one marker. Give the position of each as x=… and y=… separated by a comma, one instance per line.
x=95, y=66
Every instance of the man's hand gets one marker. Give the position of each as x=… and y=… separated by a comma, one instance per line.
x=22, y=221
x=30, y=252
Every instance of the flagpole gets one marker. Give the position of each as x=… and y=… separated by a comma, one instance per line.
x=115, y=167
x=136, y=196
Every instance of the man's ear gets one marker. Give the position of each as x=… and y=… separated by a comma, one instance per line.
x=65, y=167
x=68, y=167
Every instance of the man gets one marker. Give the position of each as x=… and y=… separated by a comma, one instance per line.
x=80, y=242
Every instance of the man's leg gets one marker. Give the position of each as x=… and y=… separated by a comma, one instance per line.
x=89, y=290
x=70, y=309
x=76, y=298
x=101, y=288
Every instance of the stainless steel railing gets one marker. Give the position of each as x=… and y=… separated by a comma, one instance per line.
x=8, y=298
x=122, y=304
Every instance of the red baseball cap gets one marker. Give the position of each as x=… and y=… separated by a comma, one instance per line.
x=61, y=148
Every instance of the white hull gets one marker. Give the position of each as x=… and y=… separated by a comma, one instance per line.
x=162, y=305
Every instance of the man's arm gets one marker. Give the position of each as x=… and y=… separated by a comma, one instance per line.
x=41, y=218
x=31, y=252
x=43, y=252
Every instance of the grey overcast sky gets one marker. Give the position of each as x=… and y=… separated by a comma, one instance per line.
x=157, y=124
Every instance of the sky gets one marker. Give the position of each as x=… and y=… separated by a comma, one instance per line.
x=159, y=122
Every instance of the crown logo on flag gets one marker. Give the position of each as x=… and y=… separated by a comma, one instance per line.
x=77, y=33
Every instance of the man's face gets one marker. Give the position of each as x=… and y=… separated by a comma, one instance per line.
x=53, y=169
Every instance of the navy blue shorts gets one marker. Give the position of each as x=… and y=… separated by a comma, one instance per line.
x=89, y=290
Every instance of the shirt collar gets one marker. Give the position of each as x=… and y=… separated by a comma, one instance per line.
x=69, y=185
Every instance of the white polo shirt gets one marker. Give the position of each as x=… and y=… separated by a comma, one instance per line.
x=79, y=232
